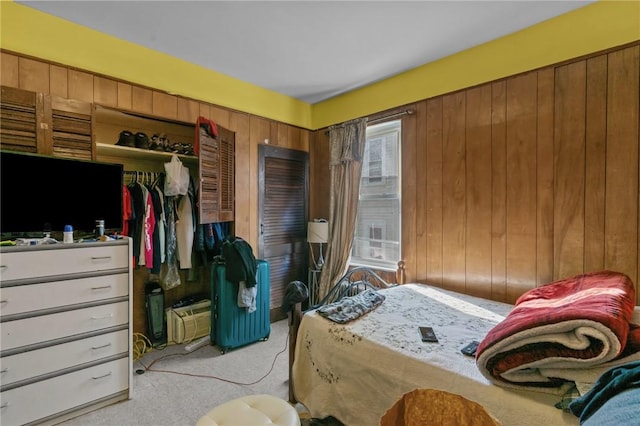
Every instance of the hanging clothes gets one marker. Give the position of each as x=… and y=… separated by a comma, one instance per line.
x=146, y=231
x=157, y=242
x=127, y=212
x=137, y=217
x=184, y=231
x=170, y=276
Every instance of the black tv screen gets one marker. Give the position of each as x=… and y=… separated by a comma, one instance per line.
x=41, y=194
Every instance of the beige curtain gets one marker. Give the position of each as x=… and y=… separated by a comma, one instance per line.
x=346, y=147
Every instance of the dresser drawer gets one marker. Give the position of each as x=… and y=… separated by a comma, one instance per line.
x=43, y=328
x=30, y=364
x=34, y=297
x=41, y=399
x=61, y=261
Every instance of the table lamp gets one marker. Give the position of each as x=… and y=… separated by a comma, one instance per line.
x=318, y=233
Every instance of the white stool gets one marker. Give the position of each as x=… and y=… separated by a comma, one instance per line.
x=252, y=410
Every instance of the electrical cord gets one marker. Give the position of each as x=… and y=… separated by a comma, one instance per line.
x=206, y=376
x=141, y=345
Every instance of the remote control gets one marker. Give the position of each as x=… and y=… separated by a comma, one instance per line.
x=427, y=334
x=470, y=349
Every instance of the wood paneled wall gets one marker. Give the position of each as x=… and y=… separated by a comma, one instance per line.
x=533, y=178
x=250, y=131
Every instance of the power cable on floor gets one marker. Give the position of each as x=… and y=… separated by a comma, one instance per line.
x=149, y=368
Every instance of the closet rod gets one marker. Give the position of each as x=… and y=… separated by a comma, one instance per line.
x=137, y=175
x=384, y=117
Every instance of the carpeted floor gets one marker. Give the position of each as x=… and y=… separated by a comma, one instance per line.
x=176, y=387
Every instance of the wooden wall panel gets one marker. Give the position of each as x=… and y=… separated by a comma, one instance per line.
x=280, y=135
x=259, y=133
x=544, y=178
x=240, y=124
x=125, y=96
x=165, y=105
x=220, y=116
x=188, y=110
x=569, y=154
x=521, y=103
x=142, y=100
x=33, y=75
x=421, y=193
x=499, y=191
x=205, y=110
x=59, y=81
x=319, y=190
x=105, y=91
x=9, y=70
x=305, y=140
x=595, y=160
x=621, y=200
x=434, y=192
x=293, y=137
x=478, y=192
x=563, y=142
x=80, y=86
x=453, y=191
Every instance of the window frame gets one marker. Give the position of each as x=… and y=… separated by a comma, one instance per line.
x=379, y=131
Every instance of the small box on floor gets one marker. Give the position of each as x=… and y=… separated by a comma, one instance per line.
x=188, y=323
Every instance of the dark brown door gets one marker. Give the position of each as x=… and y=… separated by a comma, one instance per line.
x=283, y=195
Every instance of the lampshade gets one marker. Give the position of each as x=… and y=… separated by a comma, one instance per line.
x=318, y=232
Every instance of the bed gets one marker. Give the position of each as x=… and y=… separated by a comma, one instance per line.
x=356, y=370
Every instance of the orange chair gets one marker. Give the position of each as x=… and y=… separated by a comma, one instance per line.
x=424, y=407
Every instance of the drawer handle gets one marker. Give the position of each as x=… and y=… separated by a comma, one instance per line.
x=4, y=301
x=4, y=370
x=4, y=405
x=102, y=377
x=3, y=267
x=101, y=318
x=100, y=347
x=101, y=287
x=95, y=258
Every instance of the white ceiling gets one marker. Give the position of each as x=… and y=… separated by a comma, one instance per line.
x=310, y=50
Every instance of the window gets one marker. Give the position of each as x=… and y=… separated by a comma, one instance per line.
x=377, y=237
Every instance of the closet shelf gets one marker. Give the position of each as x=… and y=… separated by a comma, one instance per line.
x=112, y=150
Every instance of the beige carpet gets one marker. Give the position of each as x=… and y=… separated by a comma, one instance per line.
x=177, y=388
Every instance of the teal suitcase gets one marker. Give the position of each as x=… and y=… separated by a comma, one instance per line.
x=233, y=326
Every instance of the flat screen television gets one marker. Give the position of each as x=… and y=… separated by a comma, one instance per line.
x=40, y=194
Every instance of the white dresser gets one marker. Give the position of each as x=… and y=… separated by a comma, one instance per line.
x=65, y=329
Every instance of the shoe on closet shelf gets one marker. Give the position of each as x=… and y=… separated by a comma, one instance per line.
x=164, y=142
x=155, y=144
x=187, y=149
x=142, y=140
x=126, y=139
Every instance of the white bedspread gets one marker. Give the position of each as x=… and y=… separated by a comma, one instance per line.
x=356, y=371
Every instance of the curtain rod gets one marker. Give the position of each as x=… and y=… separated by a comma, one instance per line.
x=394, y=115
x=384, y=117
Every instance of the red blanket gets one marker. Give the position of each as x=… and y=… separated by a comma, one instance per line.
x=576, y=323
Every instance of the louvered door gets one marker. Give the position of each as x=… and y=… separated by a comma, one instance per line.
x=21, y=121
x=71, y=128
x=216, y=201
x=44, y=124
x=283, y=205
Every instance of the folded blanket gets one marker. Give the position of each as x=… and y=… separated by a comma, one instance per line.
x=350, y=308
x=577, y=323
